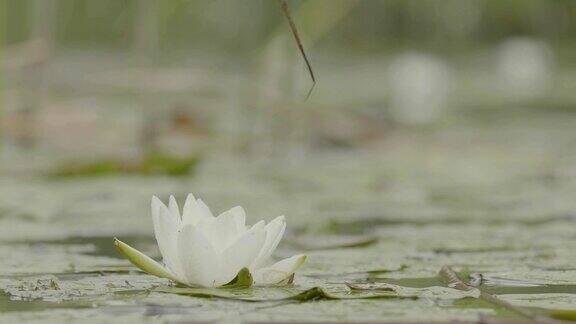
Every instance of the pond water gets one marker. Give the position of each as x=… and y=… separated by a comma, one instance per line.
x=495, y=202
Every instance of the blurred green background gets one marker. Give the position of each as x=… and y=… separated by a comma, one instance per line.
x=125, y=79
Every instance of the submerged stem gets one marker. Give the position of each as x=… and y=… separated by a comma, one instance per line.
x=453, y=281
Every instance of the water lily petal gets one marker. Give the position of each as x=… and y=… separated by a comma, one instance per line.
x=241, y=253
x=279, y=271
x=239, y=219
x=258, y=226
x=165, y=230
x=195, y=210
x=274, y=232
x=223, y=231
x=200, y=249
x=189, y=211
x=200, y=261
x=204, y=209
x=144, y=262
x=157, y=203
x=173, y=206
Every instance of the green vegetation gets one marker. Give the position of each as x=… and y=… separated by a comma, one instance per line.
x=153, y=164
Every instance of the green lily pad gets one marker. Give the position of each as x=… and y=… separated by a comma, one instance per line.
x=152, y=164
x=565, y=315
x=326, y=242
x=267, y=294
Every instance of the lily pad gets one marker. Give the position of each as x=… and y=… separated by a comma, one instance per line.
x=564, y=315
x=431, y=292
x=152, y=164
x=324, y=242
x=257, y=294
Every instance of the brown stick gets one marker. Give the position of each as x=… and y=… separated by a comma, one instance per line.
x=453, y=281
x=294, y=30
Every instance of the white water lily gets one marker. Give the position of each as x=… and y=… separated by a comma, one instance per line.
x=199, y=249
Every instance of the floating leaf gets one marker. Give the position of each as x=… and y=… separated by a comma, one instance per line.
x=423, y=282
x=150, y=165
x=477, y=279
x=358, y=274
x=257, y=294
x=565, y=315
x=252, y=294
x=325, y=242
x=380, y=271
x=472, y=250
x=509, y=286
x=430, y=292
x=370, y=286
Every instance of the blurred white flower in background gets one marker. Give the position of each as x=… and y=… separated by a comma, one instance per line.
x=525, y=67
x=419, y=86
x=199, y=249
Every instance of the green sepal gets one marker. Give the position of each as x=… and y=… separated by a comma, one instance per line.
x=242, y=280
x=142, y=261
